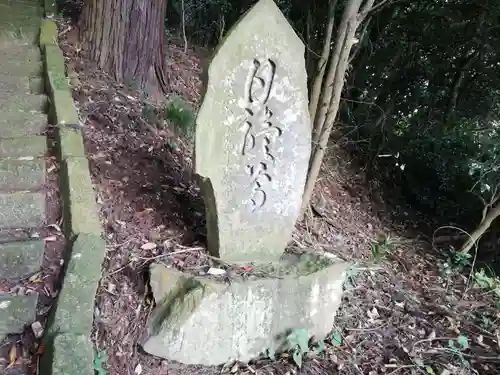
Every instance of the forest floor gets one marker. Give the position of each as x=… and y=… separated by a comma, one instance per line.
x=398, y=316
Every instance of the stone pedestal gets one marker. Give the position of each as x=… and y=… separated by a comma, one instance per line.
x=199, y=320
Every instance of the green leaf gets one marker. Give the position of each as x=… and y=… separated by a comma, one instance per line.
x=463, y=341
x=99, y=358
x=429, y=370
x=297, y=357
x=336, y=338
x=299, y=338
x=319, y=347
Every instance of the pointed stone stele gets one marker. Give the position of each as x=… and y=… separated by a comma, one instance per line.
x=253, y=138
x=252, y=152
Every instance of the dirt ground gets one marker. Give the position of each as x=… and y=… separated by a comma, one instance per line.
x=399, y=316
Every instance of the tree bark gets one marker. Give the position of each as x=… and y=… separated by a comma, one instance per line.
x=481, y=229
x=457, y=84
x=325, y=54
x=332, y=89
x=350, y=13
x=126, y=39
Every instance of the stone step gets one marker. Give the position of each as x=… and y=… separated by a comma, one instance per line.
x=22, y=174
x=22, y=210
x=21, y=85
x=16, y=312
x=20, y=13
x=24, y=124
x=21, y=258
x=21, y=30
x=29, y=103
x=23, y=147
x=20, y=124
x=15, y=54
x=30, y=69
x=13, y=37
x=25, y=3
x=29, y=7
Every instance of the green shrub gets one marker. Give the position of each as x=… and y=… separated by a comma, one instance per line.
x=180, y=113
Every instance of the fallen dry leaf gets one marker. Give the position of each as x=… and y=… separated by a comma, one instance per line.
x=149, y=246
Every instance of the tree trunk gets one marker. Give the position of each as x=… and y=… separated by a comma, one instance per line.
x=325, y=54
x=457, y=83
x=332, y=89
x=126, y=39
x=349, y=16
x=481, y=229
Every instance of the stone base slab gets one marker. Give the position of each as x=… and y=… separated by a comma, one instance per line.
x=205, y=321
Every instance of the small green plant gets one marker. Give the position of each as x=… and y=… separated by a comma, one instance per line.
x=298, y=344
x=100, y=357
x=458, y=259
x=487, y=280
x=382, y=247
x=456, y=346
x=335, y=338
x=455, y=262
x=180, y=113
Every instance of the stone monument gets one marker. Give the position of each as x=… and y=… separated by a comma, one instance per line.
x=252, y=151
x=253, y=138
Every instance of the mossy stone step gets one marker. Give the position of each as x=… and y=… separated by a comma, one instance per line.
x=22, y=210
x=70, y=354
x=20, y=15
x=25, y=31
x=27, y=7
x=16, y=312
x=30, y=69
x=21, y=85
x=23, y=147
x=21, y=103
x=24, y=3
x=14, y=54
x=21, y=174
x=21, y=258
x=20, y=124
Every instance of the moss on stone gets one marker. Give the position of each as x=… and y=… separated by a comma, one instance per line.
x=48, y=32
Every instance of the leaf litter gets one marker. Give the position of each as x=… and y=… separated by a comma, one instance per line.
x=397, y=317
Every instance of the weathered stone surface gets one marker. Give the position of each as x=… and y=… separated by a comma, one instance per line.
x=81, y=200
x=23, y=70
x=20, y=54
x=22, y=174
x=201, y=321
x=48, y=32
x=54, y=59
x=71, y=354
x=20, y=85
x=71, y=141
x=16, y=312
x=64, y=107
x=12, y=105
x=14, y=85
x=20, y=124
x=22, y=210
x=253, y=137
x=20, y=258
x=23, y=147
x=26, y=6
x=75, y=306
